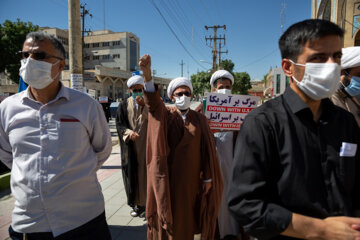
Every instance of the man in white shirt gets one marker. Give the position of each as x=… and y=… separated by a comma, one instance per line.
x=53, y=139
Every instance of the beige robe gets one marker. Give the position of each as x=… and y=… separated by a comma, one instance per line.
x=181, y=156
x=138, y=120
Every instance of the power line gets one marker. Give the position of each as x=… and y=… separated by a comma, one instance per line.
x=206, y=10
x=259, y=59
x=173, y=32
x=180, y=24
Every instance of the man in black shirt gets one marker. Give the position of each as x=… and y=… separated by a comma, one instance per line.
x=296, y=168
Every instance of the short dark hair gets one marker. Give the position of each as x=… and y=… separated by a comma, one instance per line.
x=298, y=34
x=41, y=36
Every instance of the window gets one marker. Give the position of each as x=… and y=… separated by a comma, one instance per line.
x=287, y=81
x=133, y=55
x=105, y=44
x=87, y=57
x=87, y=45
x=278, y=77
x=95, y=57
x=106, y=57
x=95, y=45
x=116, y=43
x=116, y=55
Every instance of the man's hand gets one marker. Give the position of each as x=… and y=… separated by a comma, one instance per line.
x=341, y=228
x=334, y=228
x=133, y=136
x=145, y=65
x=139, y=100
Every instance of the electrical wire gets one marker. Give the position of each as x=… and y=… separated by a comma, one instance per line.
x=173, y=32
x=258, y=60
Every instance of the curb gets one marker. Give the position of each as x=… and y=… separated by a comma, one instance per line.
x=5, y=181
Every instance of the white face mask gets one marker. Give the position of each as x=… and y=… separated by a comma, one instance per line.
x=320, y=79
x=36, y=73
x=182, y=102
x=224, y=91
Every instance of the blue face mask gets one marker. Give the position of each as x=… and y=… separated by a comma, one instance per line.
x=135, y=94
x=353, y=89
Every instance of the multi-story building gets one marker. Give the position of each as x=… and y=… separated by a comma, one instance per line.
x=345, y=13
x=109, y=58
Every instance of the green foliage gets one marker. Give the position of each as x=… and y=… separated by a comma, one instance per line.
x=201, y=80
x=242, y=83
x=227, y=65
x=12, y=37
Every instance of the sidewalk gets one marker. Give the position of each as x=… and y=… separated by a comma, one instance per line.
x=122, y=225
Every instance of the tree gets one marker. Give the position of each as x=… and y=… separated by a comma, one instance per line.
x=227, y=65
x=241, y=83
x=12, y=37
x=200, y=82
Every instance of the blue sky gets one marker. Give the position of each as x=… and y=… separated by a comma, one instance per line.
x=253, y=28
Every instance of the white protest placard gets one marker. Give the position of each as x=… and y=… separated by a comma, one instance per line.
x=228, y=111
x=76, y=81
x=103, y=99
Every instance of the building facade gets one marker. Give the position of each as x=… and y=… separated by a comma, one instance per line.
x=345, y=13
x=109, y=59
x=279, y=82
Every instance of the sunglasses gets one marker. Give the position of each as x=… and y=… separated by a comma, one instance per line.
x=179, y=94
x=137, y=90
x=37, y=55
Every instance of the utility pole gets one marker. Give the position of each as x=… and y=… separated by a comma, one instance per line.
x=182, y=66
x=214, y=38
x=220, y=52
x=84, y=12
x=75, y=53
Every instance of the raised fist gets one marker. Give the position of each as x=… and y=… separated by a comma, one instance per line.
x=145, y=65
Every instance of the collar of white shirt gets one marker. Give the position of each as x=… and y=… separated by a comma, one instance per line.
x=63, y=93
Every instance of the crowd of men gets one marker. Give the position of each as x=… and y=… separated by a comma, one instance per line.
x=291, y=172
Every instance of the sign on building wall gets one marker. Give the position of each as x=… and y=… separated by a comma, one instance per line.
x=228, y=111
x=76, y=81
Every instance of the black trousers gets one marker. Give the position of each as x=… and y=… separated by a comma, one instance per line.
x=95, y=229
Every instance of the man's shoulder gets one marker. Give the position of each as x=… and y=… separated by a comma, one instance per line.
x=269, y=108
x=76, y=95
x=342, y=113
x=13, y=99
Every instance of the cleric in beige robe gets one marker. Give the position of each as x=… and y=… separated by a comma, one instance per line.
x=345, y=96
x=184, y=179
x=131, y=125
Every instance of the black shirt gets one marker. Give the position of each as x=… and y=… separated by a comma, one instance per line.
x=285, y=162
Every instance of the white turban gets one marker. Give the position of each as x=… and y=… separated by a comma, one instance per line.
x=221, y=74
x=137, y=79
x=350, y=57
x=177, y=82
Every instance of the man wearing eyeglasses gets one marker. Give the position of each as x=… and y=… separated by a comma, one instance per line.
x=53, y=139
x=131, y=125
x=184, y=178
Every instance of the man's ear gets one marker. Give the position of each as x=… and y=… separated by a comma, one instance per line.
x=287, y=67
x=172, y=98
x=62, y=65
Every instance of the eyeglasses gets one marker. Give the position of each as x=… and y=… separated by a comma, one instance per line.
x=179, y=94
x=37, y=55
x=137, y=90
